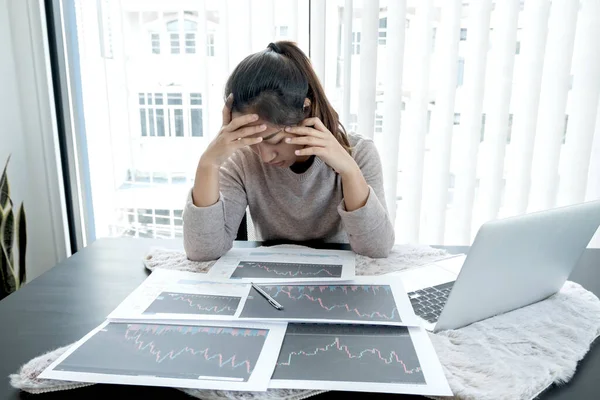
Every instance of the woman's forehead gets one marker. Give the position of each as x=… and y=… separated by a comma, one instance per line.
x=267, y=133
x=259, y=121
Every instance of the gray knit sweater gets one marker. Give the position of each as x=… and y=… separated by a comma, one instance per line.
x=285, y=205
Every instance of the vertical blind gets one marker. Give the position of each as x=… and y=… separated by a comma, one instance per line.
x=516, y=135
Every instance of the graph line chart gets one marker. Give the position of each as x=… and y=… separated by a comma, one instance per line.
x=348, y=353
x=187, y=303
x=169, y=351
x=335, y=302
x=281, y=270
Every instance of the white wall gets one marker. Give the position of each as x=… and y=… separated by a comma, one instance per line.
x=26, y=132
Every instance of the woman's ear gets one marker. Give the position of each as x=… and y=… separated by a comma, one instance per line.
x=306, y=107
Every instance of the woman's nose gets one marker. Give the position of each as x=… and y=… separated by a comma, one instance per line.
x=265, y=152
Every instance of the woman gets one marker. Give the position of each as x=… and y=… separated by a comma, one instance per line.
x=283, y=153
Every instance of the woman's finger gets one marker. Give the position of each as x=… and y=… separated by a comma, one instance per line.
x=310, y=151
x=246, y=131
x=316, y=122
x=227, y=110
x=240, y=121
x=304, y=130
x=307, y=141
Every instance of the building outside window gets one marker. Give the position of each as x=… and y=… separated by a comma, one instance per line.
x=161, y=119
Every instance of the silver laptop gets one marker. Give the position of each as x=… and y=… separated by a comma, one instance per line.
x=513, y=262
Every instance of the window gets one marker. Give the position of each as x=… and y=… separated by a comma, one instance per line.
x=175, y=114
x=378, y=123
x=173, y=119
x=210, y=44
x=460, y=72
x=281, y=31
x=157, y=108
x=456, y=118
x=355, y=43
x=161, y=77
x=433, y=36
x=378, y=117
x=382, y=31
x=155, y=42
x=151, y=223
x=196, y=114
x=190, y=43
x=518, y=48
x=187, y=31
x=175, y=47
x=482, y=134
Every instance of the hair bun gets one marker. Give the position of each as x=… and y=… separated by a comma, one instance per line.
x=274, y=47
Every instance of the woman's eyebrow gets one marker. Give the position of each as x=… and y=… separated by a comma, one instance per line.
x=271, y=135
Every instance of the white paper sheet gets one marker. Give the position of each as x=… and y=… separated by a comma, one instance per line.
x=218, y=355
x=183, y=296
x=359, y=358
x=279, y=264
x=374, y=300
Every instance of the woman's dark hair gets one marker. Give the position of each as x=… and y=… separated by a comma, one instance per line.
x=273, y=83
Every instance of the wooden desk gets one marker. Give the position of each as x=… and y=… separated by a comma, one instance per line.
x=65, y=303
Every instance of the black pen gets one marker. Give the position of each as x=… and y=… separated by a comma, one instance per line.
x=266, y=296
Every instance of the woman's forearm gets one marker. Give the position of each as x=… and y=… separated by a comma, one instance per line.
x=206, y=185
x=354, y=189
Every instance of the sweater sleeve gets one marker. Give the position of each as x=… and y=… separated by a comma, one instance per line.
x=209, y=232
x=370, y=231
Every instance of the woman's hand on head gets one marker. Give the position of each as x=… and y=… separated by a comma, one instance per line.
x=320, y=142
x=232, y=136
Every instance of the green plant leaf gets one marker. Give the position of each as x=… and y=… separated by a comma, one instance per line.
x=22, y=244
x=4, y=188
x=8, y=284
x=8, y=234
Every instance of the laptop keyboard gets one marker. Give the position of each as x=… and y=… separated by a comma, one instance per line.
x=428, y=303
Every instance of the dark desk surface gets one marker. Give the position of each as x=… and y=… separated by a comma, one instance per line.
x=65, y=303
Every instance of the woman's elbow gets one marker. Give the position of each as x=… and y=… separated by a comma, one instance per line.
x=379, y=252
x=380, y=249
x=198, y=251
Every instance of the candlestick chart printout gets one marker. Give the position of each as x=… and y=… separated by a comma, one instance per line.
x=348, y=353
x=281, y=264
x=369, y=303
x=188, y=303
x=285, y=270
x=169, y=351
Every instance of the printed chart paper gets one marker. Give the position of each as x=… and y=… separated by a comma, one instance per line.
x=391, y=359
x=365, y=299
x=185, y=296
x=211, y=356
x=279, y=264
